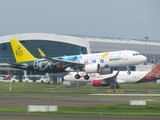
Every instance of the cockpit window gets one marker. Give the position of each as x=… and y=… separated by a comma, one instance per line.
x=135, y=54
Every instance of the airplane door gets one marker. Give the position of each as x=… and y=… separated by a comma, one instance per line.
x=125, y=55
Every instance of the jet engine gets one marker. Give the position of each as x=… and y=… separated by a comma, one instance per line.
x=97, y=83
x=106, y=71
x=92, y=68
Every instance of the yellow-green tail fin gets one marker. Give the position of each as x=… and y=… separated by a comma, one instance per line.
x=20, y=52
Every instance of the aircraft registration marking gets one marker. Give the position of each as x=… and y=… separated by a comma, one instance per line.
x=135, y=77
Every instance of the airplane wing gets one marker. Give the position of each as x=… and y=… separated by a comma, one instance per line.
x=64, y=63
x=4, y=65
x=111, y=79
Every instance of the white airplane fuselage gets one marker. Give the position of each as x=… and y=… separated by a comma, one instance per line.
x=110, y=60
x=117, y=77
x=122, y=77
x=90, y=63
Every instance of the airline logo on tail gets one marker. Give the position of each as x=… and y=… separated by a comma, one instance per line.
x=19, y=52
x=154, y=74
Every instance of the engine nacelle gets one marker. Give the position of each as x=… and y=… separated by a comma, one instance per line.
x=92, y=68
x=97, y=83
x=106, y=71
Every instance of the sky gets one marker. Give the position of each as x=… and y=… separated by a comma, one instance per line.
x=131, y=19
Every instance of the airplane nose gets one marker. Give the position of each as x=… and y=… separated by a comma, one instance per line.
x=65, y=77
x=144, y=58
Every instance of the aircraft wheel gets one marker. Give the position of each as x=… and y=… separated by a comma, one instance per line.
x=117, y=86
x=77, y=76
x=112, y=86
x=86, y=77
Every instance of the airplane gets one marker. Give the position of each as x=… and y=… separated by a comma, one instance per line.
x=102, y=63
x=116, y=78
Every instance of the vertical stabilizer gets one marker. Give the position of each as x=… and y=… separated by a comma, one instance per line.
x=20, y=52
x=156, y=69
x=154, y=74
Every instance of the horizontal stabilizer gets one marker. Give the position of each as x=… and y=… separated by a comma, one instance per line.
x=20, y=65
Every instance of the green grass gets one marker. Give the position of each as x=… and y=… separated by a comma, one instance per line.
x=32, y=85
x=53, y=88
x=18, y=90
x=60, y=85
x=148, y=110
x=121, y=109
x=13, y=110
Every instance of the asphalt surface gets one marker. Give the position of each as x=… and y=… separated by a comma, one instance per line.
x=122, y=94
x=17, y=116
x=24, y=101
x=61, y=101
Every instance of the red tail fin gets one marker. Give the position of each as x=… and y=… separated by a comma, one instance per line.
x=154, y=74
x=156, y=69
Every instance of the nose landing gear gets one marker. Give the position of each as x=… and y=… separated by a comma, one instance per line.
x=128, y=71
x=117, y=86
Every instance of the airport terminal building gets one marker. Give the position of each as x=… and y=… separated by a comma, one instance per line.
x=54, y=45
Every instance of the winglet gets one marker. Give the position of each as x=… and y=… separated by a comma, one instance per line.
x=118, y=72
x=112, y=77
x=20, y=52
x=104, y=55
x=42, y=54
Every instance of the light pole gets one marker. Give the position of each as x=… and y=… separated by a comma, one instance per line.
x=146, y=38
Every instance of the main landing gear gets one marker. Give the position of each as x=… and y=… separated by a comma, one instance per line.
x=77, y=76
x=128, y=72
x=117, y=86
x=86, y=77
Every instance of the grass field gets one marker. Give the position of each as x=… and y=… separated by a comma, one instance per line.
x=60, y=85
x=125, y=109
x=53, y=88
x=121, y=109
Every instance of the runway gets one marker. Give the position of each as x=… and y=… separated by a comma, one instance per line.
x=62, y=101
x=24, y=101
x=121, y=94
x=17, y=116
